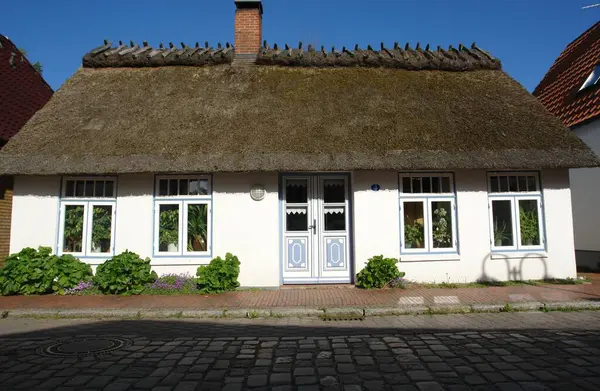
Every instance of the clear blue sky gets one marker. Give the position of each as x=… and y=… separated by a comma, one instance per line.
x=527, y=35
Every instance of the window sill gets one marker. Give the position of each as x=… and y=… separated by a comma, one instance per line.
x=429, y=257
x=519, y=254
x=180, y=260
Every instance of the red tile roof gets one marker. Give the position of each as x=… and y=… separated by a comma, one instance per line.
x=559, y=89
x=23, y=91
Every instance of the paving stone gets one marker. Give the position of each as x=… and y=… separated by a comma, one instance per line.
x=257, y=380
x=429, y=386
x=419, y=375
x=280, y=378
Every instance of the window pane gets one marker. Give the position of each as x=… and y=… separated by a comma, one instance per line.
x=531, y=185
x=427, y=184
x=296, y=219
x=73, y=228
x=529, y=222
x=522, y=183
x=203, y=186
x=503, y=226
x=194, y=187
x=441, y=224
x=197, y=225
x=414, y=232
x=416, y=184
x=445, y=184
x=334, y=191
x=406, y=185
x=70, y=189
x=109, y=189
x=494, y=184
x=173, y=187
x=295, y=191
x=335, y=219
x=436, y=185
x=512, y=183
x=101, y=228
x=163, y=187
x=183, y=187
x=99, y=189
x=168, y=228
x=503, y=183
x=79, y=188
x=89, y=188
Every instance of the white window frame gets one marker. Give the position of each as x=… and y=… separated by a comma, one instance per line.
x=182, y=201
x=514, y=198
x=88, y=203
x=427, y=199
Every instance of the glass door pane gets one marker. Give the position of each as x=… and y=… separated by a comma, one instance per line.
x=101, y=228
x=296, y=218
x=503, y=224
x=529, y=223
x=414, y=228
x=335, y=218
x=441, y=224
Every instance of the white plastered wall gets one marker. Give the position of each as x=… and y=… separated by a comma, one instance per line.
x=250, y=229
x=35, y=212
x=376, y=231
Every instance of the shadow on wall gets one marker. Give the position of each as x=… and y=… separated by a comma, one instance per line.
x=6, y=183
x=514, y=267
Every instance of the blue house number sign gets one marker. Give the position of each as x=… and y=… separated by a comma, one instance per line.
x=375, y=187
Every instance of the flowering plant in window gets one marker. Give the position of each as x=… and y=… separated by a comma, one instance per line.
x=442, y=237
x=197, y=227
x=529, y=227
x=73, y=228
x=169, y=221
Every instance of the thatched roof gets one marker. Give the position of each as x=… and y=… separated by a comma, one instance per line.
x=263, y=118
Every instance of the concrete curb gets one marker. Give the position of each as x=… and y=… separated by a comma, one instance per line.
x=297, y=312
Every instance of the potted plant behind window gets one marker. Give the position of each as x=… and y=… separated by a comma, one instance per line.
x=101, y=227
x=413, y=235
x=73, y=229
x=196, y=240
x=169, y=230
x=442, y=235
x=500, y=234
x=528, y=220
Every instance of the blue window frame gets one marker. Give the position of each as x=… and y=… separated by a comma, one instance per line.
x=427, y=213
x=87, y=217
x=183, y=216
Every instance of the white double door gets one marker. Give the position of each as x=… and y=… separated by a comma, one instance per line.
x=316, y=229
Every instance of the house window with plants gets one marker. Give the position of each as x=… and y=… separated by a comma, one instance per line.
x=427, y=213
x=182, y=209
x=515, y=204
x=87, y=217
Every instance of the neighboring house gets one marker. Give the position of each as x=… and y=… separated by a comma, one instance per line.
x=571, y=91
x=23, y=91
x=302, y=162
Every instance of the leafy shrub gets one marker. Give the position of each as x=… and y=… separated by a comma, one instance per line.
x=125, y=273
x=220, y=275
x=378, y=272
x=37, y=272
x=173, y=284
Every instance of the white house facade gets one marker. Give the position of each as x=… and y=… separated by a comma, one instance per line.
x=570, y=91
x=302, y=162
x=315, y=227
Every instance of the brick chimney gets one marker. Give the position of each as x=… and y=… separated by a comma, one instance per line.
x=248, y=28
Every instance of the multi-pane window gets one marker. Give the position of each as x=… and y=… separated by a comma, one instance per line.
x=182, y=215
x=87, y=217
x=515, y=204
x=427, y=213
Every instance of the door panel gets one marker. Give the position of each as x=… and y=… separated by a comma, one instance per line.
x=316, y=229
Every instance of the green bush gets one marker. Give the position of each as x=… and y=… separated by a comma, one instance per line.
x=125, y=273
x=37, y=272
x=378, y=272
x=220, y=275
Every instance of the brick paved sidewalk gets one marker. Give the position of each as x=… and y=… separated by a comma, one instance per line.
x=325, y=297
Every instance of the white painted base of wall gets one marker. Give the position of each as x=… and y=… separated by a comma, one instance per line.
x=250, y=229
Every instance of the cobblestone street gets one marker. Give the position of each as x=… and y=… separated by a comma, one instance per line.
x=507, y=351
